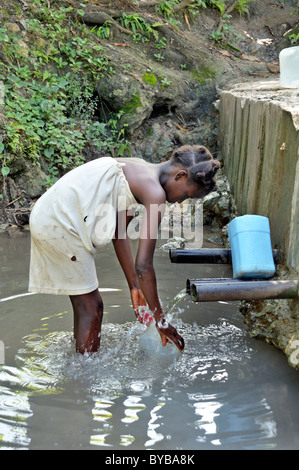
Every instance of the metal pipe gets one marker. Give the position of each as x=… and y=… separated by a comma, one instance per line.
x=234, y=289
x=191, y=282
x=208, y=256
x=204, y=256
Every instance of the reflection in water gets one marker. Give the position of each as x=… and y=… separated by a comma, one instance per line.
x=153, y=426
x=15, y=410
x=207, y=411
x=132, y=408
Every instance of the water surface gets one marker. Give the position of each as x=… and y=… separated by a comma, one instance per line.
x=226, y=391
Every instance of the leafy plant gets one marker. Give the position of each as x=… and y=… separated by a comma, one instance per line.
x=162, y=43
x=217, y=4
x=5, y=170
x=165, y=82
x=166, y=8
x=159, y=57
x=103, y=31
x=3, y=35
x=138, y=25
x=242, y=6
x=294, y=38
x=50, y=98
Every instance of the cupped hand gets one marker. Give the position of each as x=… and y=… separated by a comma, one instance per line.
x=169, y=334
x=138, y=301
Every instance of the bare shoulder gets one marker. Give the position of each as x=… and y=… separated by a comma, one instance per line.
x=143, y=179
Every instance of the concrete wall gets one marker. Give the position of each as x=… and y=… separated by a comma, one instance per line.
x=259, y=143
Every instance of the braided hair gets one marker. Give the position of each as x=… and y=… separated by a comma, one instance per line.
x=200, y=165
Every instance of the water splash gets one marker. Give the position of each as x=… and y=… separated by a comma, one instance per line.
x=150, y=341
x=181, y=295
x=121, y=378
x=50, y=361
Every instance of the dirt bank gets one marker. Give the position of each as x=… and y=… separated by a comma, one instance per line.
x=148, y=92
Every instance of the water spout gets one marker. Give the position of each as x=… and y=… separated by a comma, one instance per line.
x=181, y=295
x=208, y=256
x=235, y=289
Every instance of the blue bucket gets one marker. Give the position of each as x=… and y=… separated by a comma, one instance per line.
x=251, y=250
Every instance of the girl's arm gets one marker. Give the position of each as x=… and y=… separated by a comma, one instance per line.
x=144, y=265
x=123, y=252
x=146, y=273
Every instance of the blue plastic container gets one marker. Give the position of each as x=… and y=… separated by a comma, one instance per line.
x=251, y=250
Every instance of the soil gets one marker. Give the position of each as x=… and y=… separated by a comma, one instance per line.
x=198, y=68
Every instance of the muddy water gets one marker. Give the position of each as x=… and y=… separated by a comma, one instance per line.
x=226, y=391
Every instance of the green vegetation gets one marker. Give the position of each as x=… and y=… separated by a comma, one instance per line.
x=50, y=100
x=294, y=36
x=132, y=105
x=50, y=112
x=149, y=78
x=142, y=30
x=168, y=8
x=202, y=74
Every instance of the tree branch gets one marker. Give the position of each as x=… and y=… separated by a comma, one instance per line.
x=229, y=10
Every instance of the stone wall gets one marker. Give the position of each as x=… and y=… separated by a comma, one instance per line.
x=259, y=143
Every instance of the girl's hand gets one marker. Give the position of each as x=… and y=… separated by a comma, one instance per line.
x=139, y=306
x=169, y=334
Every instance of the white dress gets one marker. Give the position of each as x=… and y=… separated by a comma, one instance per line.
x=74, y=217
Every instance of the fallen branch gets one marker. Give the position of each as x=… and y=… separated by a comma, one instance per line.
x=12, y=202
x=187, y=21
x=180, y=127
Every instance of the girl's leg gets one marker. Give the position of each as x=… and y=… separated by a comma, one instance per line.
x=88, y=315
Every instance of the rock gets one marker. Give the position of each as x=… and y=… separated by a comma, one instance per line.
x=216, y=240
x=18, y=165
x=124, y=94
x=254, y=48
x=96, y=16
x=3, y=227
x=155, y=93
x=173, y=244
x=23, y=48
x=40, y=44
x=31, y=182
x=210, y=200
x=224, y=205
x=12, y=28
x=292, y=351
x=274, y=67
x=157, y=146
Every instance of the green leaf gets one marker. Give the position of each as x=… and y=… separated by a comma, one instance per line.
x=49, y=152
x=1, y=147
x=5, y=171
x=3, y=36
x=46, y=75
x=233, y=48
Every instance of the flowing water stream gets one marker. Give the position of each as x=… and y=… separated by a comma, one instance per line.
x=226, y=391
